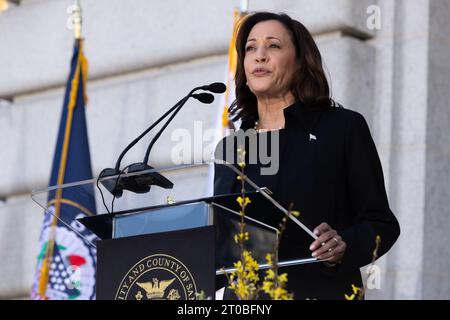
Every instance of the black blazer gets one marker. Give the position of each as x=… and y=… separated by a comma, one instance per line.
x=337, y=179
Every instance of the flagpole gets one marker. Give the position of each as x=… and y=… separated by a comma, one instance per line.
x=77, y=20
x=3, y=5
x=243, y=8
x=49, y=251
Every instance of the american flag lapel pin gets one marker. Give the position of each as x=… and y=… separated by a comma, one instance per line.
x=312, y=137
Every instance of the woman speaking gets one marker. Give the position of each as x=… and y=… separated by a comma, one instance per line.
x=328, y=163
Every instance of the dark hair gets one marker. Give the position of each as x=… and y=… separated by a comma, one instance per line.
x=310, y=86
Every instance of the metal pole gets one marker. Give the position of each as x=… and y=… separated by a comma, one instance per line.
x=77, y=20
x=243, y=8
x=280, y=264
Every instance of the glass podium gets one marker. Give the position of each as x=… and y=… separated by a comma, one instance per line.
x=161, y=201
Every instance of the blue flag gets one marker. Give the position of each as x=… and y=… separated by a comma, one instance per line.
x=66, y=262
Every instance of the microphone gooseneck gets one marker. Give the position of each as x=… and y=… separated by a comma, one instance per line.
x=141, y=183
x=202, y=97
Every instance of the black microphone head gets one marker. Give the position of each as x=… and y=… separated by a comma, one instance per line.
x=204, y=97
x=217, y=87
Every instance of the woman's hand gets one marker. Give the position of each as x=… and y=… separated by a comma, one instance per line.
x=329, y=245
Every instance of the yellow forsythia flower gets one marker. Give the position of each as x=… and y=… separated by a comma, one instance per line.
x=269, y=259
x=355, y=290
x=270, y=274
x=295, y=213
x=243, y=202
x=267, y=286
x=283, y=277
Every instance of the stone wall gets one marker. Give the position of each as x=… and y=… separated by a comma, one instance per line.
x=144, y=55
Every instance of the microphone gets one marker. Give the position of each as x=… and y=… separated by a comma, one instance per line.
x=204, y=97
x=115, y=186
x=142, y=183
x=216, y=87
